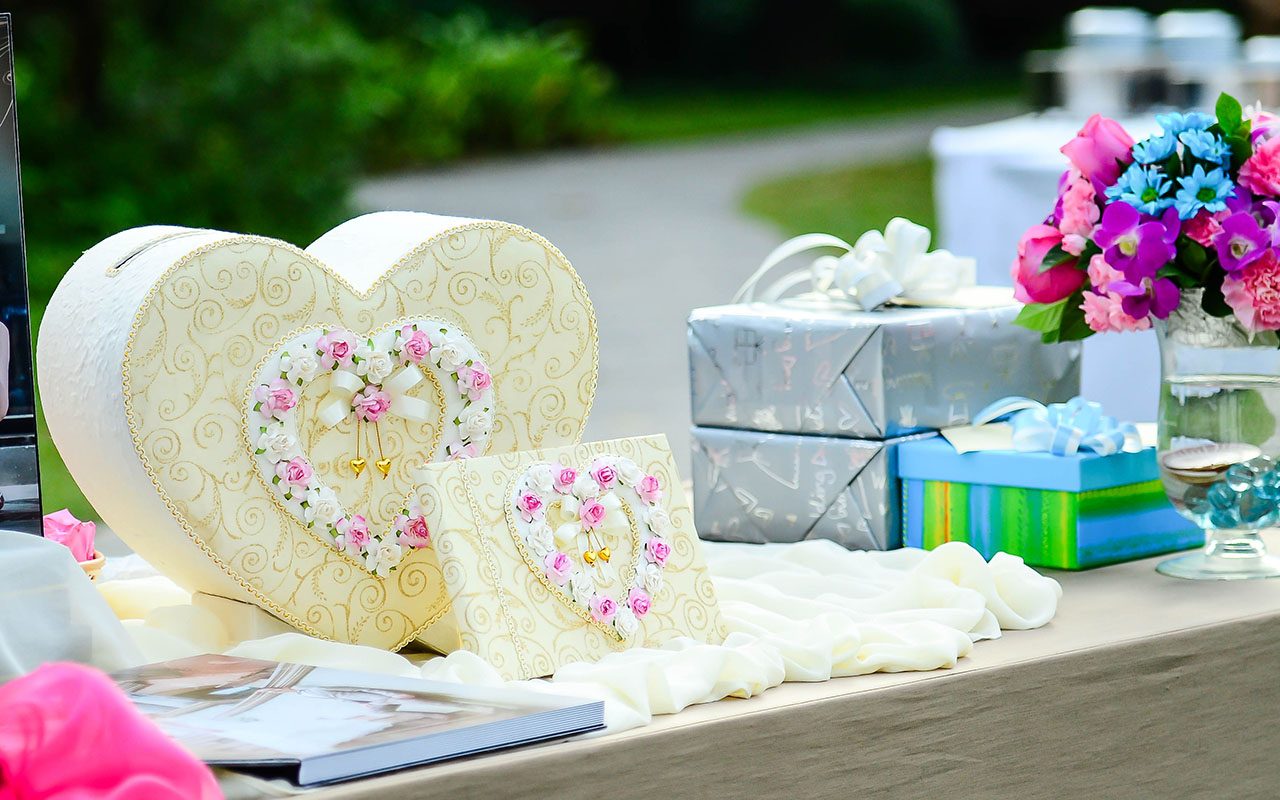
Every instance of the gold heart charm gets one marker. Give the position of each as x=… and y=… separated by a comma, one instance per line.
x=604, y=554
x=358, y=465
x=589, y=557
x=384, y=466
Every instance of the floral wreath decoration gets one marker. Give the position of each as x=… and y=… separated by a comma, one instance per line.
x=587, y=498
x=364, y=383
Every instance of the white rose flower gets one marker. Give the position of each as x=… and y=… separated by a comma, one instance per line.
x=475, y=423
x=373, y=365
x=541, y=538
x=583, y=588
x=322, y=508
x=625, y=621
x=382, y=558
x=450, y=352
x=628, y=472
x=653, y=580
x=658, y=520
x=585, y=486
x=299, y=367
x=278, y=444
x=540, y=478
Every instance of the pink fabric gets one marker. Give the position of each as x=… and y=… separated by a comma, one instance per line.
x=68, y=733
x=63, y=528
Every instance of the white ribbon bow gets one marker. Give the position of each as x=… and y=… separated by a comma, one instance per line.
x=878, y=268
x=344, y=386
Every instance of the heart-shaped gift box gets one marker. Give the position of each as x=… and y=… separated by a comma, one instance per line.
x=246, y=415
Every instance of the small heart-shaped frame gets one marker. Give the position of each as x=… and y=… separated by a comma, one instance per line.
x=609, y=485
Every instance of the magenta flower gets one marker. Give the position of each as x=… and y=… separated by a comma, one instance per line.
x=1156, y=297
x=1240, y=242
x=1137, y=248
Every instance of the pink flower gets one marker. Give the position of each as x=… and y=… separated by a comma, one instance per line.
x=416, y=345
x=564, y=479
x=604, y=475
x=458, y=451
x=1261, y=173
x=295, y=472
x=559, y=567
x=76, y=536
x=591, y=512
x=1101, y=150
x=1030, y=284
x=639, y=601
x=69, y=732
x=1079, y=214
x=530, y=506
x=336, y=349
x=1102, y=274
x=649, y=489
x=1254, y=293
x=1104, y=313
x=371, y=403
x=276, y=398
x=657, y=551
x=415, y=532
x=473, y=380
x=1203, y=227
x=603, y=609
x=353, y=534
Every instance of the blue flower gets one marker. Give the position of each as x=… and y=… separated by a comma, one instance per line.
x=1176, y=123
x=1143, y=188
x=1206, y=147
x=1200, y=190
x=1155, y=148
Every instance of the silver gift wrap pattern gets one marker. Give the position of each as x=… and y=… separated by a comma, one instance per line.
x=866, y=374
x=774, y=487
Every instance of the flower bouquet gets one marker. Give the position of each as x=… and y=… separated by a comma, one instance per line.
x=1138, y=227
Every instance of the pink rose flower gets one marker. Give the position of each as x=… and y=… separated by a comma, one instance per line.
x=657, y=551
x=1079, y=214
x=354, y=533
x=336, y=349
x=277, y=398
x=1254, y=293
x=559, y=567
x=1101, y=274
x=416, y=345
x=76, y=536
x=530, y=506
x=371, y=404
x=639, y=601
x=1104, y=314
x=603, y=609
x=294, y=472
x=457, y=451
x=564, y=479
x=474, y=380
x=1261, y=173
x=592, y=513
x=604, y=475
x=649, y=489
x=1203, y=227
x=1030, y=284
x=415, y=532
x=1101, y=150
x=67, y=731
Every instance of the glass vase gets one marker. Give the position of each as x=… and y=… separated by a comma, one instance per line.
x=1219, y=451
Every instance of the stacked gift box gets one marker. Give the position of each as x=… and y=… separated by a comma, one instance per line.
x=799, y=408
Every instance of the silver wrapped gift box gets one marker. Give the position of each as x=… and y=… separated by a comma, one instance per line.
x=866, y=374
x=773, y=487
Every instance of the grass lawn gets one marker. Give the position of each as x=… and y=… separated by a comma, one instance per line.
x=846, y=201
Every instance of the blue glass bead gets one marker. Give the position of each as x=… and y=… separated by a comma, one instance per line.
x=1240, y=477
x=1224, y=518
x=1221, y=496
x=1256, y=510
x=1196, y=499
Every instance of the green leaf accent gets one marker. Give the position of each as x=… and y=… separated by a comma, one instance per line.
x=275, y=479
x=1173, y=166
x=1073, y=328
x=1054, y=257
x=1212, y=301
x=259, y=452
x=1230, y=114
x=1241, y=149
x=1041, y=317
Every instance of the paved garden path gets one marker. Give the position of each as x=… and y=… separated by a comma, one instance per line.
x=654, y=231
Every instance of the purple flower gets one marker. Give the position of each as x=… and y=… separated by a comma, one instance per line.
x=1137, y=248
x=1156, y=297
x=1240, y=241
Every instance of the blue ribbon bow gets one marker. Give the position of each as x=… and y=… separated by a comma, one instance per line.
x=1062, y=429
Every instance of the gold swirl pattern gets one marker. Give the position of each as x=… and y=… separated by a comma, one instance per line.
x=218, y=311
x=505, y=608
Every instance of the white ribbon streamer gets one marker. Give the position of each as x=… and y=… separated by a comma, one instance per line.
x=880, y=267
x=344, y=386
